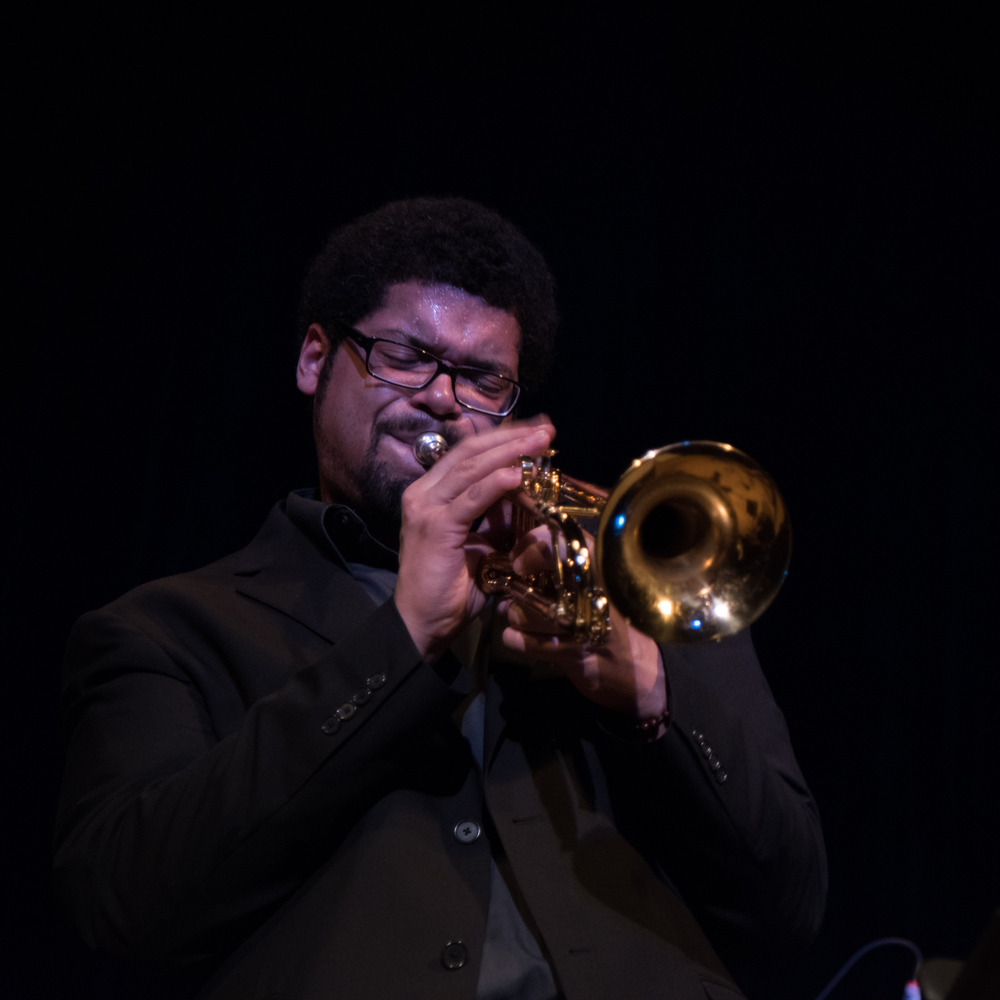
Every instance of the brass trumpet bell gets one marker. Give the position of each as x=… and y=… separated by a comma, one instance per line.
x=693, y=542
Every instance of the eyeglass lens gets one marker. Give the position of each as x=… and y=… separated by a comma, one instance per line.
x=407, y=366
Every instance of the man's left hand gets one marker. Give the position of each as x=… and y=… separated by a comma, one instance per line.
x=625, y=673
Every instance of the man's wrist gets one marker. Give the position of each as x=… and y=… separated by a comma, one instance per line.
x=652, y=696
x=632, y=729
x=651, y=717
x=429, y=650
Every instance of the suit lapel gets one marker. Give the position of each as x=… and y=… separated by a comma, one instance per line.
x=287, y=571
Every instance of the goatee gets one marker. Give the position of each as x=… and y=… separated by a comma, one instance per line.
x=381, y=490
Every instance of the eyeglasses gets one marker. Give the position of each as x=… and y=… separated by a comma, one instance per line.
x=411, y=368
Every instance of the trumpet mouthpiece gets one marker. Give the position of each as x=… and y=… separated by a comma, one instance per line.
x=429, y=447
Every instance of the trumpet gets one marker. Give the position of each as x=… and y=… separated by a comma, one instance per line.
x=691, y=544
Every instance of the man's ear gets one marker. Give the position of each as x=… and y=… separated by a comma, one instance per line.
x=315, y=349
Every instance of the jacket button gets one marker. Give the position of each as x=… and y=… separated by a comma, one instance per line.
x=360, y=697
x=467, y=832
x=454, y=955
x=375, y=681
x=346, y=711
x=331, y=725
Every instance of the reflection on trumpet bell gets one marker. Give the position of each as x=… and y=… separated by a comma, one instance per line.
x=692, y=544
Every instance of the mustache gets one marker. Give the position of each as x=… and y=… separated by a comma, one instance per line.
x=413, y=423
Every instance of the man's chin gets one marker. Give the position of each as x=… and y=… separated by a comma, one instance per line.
x=382, y=488
x=398, y=458
x=389, y=468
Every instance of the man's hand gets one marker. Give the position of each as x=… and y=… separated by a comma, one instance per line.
x=625, y=674
x=436, y=593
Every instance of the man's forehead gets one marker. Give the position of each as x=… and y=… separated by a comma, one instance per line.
x=439, y=313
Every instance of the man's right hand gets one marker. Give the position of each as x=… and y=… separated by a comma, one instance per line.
x=436, y=592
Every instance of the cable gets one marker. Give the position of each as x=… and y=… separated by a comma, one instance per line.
x=849, y=964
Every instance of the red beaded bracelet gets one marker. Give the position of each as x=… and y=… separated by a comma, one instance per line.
x=640, y=731
x=648, y=729
x=651, y=726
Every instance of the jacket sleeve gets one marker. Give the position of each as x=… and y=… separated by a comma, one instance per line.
x=174, y=841
x=720, y=807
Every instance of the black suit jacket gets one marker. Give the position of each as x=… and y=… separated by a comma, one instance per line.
x=211, y=813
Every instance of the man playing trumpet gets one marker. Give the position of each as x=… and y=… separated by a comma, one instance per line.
x=330, y=765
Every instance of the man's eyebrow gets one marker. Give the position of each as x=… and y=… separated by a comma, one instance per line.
x=415, y=341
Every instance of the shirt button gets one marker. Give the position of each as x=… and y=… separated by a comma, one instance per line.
x=467, y=832
x=346, y=711
x=331, y=725
x=454, y=955
x=375, y=682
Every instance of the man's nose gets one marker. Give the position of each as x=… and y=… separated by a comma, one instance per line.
x=438, y=397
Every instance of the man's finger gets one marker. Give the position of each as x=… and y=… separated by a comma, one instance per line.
x=559, y=649
x=465, y=472
x=478, y=444
x=482, y=494
x=536, y=557
x=527, y=620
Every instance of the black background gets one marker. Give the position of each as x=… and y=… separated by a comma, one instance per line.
x=775, y=231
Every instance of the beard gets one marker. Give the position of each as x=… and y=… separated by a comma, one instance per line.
x=380, y=489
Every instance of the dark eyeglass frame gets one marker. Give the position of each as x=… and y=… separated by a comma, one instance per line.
x=366, y=344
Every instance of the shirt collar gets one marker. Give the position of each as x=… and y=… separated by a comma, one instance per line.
x=338, y=529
